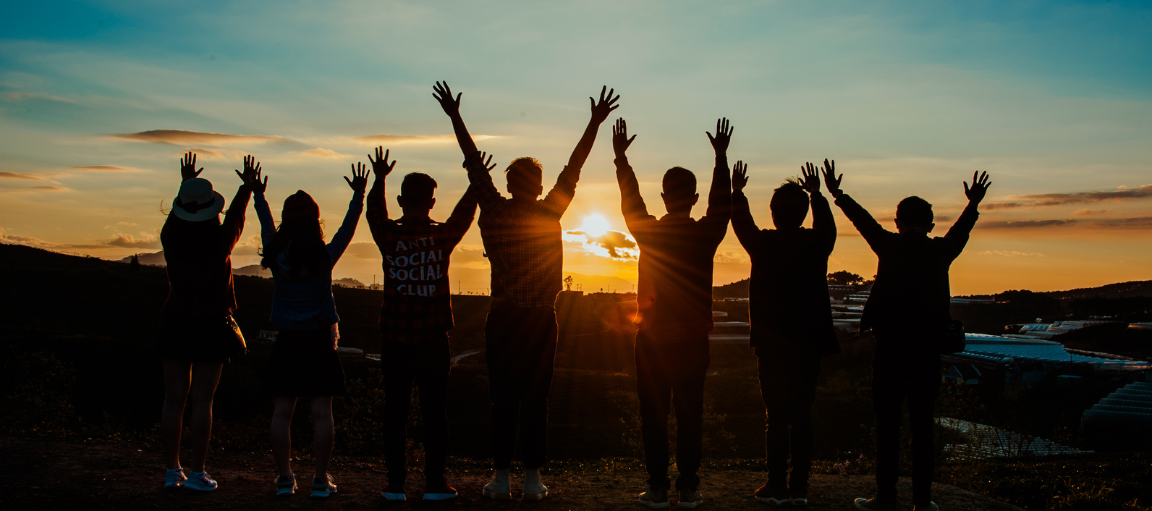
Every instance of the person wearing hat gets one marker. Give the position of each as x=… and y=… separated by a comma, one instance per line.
x=197, y=331
x=304, y=362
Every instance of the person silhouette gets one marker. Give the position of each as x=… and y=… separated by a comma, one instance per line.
x=415, y=317
x=304, y=362
x=791, y=322
x=522, y=239
x=197, y=333
x=906, y=310
x=674, y=301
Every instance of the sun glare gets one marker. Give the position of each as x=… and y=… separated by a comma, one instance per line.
x=595, y=225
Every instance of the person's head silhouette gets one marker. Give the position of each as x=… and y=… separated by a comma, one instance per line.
x=299, y=238
x=789, y=205
x=416, y=195
x=679, y=191
x=525, y=179
x=914, y=214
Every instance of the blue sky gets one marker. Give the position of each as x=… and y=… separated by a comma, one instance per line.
x=908, y=97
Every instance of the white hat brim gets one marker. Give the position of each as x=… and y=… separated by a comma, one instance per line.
x=200, y=214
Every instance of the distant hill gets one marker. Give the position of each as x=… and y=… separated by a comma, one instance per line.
x=738, y=289
x=1136, y=288
x=254, y=270
x=150, y=259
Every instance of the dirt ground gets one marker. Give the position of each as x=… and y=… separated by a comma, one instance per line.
x=39, y=474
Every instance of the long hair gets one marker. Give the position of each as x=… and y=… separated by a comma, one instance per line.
x=300, y=238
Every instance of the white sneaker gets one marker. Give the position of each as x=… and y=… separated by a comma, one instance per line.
x=534, y=489
x=498, y=488
x=200, y=481
x=322, y=488
x=285, y=486
x=174, y=478
x=655, y=498
x=690, y=499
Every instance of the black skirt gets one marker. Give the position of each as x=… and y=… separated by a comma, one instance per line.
x=197, y=339
x=304, y=363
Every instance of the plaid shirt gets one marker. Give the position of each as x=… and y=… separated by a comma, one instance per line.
x=417, y=299
x=523, y=243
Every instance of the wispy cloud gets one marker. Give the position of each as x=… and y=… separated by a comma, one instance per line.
x=106, y=168
x=417, y=139
x=1011, y=253
x=1089, y=212
x=25, y=96
x=30, y=241
x=1141, y=222
x=1060, y=199
x=50, y=188
x=321, y=152
x=21, y=175
x=194, y=137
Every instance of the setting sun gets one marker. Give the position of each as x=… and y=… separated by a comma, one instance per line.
x=595, y=225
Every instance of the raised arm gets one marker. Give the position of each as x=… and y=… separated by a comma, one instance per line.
x=742, y=222
x=720, y=195
x=377, y=214
x=868, y=227
x=233, y=224
x=188, y=167
x=631, y=203
x=462, y=214
x=347, y=229
x=480, y=180
x=251, y=177
x=561, y=194
x=960, y=230
x=822, y=221
x=451, y=106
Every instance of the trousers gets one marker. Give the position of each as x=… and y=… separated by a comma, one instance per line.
x=671, y=372
x=426, y=364
x=788, y=387
x=896, y=378
x=520, y=351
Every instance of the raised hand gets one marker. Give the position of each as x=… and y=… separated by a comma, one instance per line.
x=830, y=179
x=739, y=176
x=601, y=109
x=380, y=165
x=809, y=179
x=723, y=136
x=979, y=187
x=188, y=167
x=443, y=94
x=620, y=140
x=251, y=175
x=477, y=159
x=359, y=180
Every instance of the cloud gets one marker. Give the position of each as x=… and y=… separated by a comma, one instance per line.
x=29, y=241
x=24, y=96
x=613, y=244
x=321, y=152
x=106, y=168
x=1141, y=222
x=21, y=175
x=1087, y=212
x=50, y=188
x=1060, y=199
x=730, y=257
x=363, y=250
x=417, y=139
x=1011, y=253
x=128, y=241
x=193, y=137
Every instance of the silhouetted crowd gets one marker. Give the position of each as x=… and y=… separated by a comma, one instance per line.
x=789, y=311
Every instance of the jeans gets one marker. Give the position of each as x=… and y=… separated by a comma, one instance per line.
x=427, y=364
x=520, y=351
x=896, y=377
x=671, y=372
x=788, y=386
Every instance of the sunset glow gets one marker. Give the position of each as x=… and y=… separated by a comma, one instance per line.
x=595, y=225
